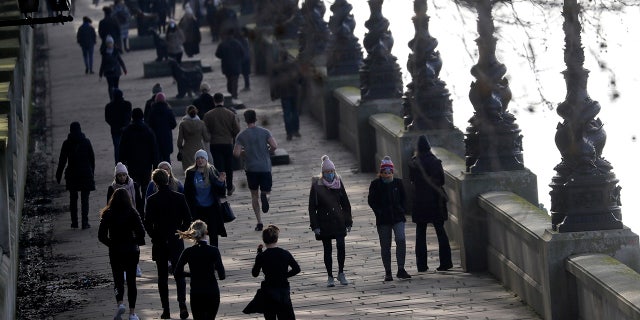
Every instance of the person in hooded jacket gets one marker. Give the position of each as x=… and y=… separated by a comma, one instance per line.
x=86, y=38
x=77, y=156
x=138, y=149
x=175, y=40
x=427, y=176
x=330, y=216
x=122, y=231
x=192, y=135
x=386, y=198
x=121, y=179
x=112, y=66
x=117, y=114
x=162, y=121
x=231, y=55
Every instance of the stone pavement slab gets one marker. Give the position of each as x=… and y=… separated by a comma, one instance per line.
x=75, y=96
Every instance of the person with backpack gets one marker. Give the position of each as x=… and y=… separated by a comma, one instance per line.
x=117, y=114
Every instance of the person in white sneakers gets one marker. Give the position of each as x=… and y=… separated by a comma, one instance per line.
x=121, y=230
x=330, y=216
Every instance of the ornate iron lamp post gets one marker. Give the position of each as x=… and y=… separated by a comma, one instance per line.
x=493, y=141
x=314, y=33
x=427, y=96
x=380, y=77
x=345, y=53
x=584, y=193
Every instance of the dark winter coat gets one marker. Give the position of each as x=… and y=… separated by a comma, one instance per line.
x=162, y=121
x=121, y=230
x=217, y=192
x=117, y=114
x=148, y=105
x=427, y=200
x=329, y=210
x=387, y=201
x=108, y=26
x=204, y=103
x=138, y=151
x=78, y=152
x=166, y=211
x=231, y=55
x=112, y=64
x=86, y=36
x=285, y=80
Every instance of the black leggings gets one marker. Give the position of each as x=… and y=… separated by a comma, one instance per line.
x=328, y=260
x=122, y=262
x=205, y=306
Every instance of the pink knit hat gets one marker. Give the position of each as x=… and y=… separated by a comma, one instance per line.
x=327, y=164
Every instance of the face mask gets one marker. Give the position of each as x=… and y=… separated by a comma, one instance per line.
x=329, y=176
x=387, y=179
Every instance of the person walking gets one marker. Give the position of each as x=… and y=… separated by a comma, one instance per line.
x=285, y=83
x=278, y=265
x=330, y=216
x=174, y=184
x=204, y=102
x=243, y=38
x=175, y=40
x=122, y=231
x=76, y=155
x=117, y=114
x=86, y=38
x=108, y=26
x=112, y=66
x=148, y=105
x=223, y=127
x=192, y=132
x=122, y=180
x=429, y=204
x=386, y=198
x=202, y=259
x=162, y=121
x=254, y=145
x=122, y=16
x=138, y=149
x=231, y=55
x=167, y=211
x=191, y=30
x=204, y=187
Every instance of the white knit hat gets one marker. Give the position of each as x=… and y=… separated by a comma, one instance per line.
x=121, y=168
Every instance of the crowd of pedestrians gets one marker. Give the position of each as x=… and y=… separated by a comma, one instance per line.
x=146, y=198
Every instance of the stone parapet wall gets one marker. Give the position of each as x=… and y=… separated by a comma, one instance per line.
x=16, y=70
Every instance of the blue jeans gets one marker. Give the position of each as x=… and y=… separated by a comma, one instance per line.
x=290, y=114
x=384, y=233
x=87, y=55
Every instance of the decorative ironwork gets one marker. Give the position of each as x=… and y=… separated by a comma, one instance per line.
x=344, y=50
x=584, y=193
x=314, y=33
x=380, y=77
x=429, y=106
x=281, y=15
x=493, y=141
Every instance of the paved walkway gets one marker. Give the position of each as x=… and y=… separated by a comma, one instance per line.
x=79, y=97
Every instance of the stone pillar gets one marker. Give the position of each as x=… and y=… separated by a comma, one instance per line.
x=584, y=193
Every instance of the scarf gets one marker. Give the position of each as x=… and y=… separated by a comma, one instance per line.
x=188, y=117
x=332, y=185
x=129, y=187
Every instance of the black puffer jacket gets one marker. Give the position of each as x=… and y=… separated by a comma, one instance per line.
x=329, y=210
x=387, y=201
